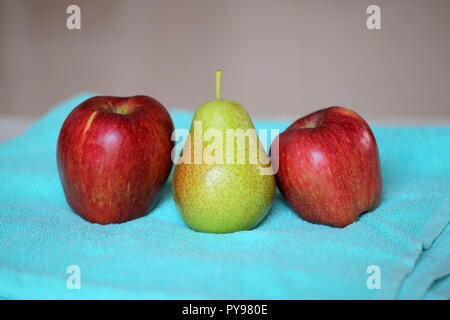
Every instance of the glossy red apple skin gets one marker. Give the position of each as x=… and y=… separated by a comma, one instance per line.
x=329, y=167
x=114, y=156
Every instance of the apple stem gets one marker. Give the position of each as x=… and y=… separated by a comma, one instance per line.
x=218, y=78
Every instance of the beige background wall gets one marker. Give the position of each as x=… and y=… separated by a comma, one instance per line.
x=281, y=59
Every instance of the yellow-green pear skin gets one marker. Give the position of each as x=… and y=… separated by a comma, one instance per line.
x=223, y=197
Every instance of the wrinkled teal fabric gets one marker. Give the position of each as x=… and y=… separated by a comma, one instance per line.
x=430, y=277
x=285, y=257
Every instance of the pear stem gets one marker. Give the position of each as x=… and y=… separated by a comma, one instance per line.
x=218, y=78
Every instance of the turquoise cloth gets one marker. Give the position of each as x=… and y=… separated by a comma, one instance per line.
x=430, y=277
x=285, y=257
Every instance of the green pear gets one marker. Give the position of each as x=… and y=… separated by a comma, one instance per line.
x=223, y=181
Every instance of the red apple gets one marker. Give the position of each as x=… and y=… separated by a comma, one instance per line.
x=114, y=156
x=329, y=167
